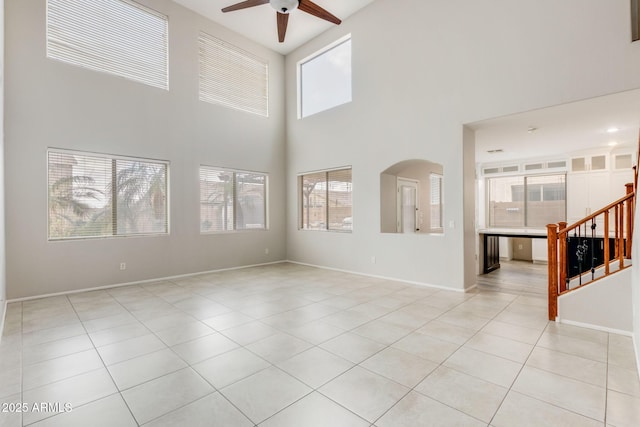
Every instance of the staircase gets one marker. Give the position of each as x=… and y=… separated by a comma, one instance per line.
x=592, y=250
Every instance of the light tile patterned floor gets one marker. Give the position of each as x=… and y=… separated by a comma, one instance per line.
x=288, y=345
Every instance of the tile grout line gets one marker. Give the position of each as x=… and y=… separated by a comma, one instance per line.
x=317, y=389
x=519, y=372
x=441, y=364
x=105, y=365
x=285, y=331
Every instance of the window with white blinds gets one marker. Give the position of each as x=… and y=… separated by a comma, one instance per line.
x=435, y=182
x=232, y=77
x=232, y=200
x=326, y=200
x=526, y=201
x=96, y=195
x=118, y=37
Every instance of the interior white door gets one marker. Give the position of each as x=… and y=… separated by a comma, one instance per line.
x=407, y=206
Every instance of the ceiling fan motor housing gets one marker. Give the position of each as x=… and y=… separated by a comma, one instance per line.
x=284, y=6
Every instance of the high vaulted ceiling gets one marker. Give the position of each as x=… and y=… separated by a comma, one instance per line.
x=562, y=129
x=259, y=23
x=558, y=130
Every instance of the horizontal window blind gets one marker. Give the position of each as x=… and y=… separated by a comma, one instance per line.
x=250, y=201
x=119, y=37
x=326, y=200
x=141, y=189
x=526, y=201
x=232, y=200
x=340, y=199
x=232, y=77
x=98, y=196
x=314, y=201
x=435, y=219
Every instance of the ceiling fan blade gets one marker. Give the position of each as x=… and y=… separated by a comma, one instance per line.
x=244, y=5
x=283, y=19
x=315, y=10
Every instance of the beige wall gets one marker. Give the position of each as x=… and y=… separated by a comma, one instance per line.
x=588, y=305
x=635, y=287
x=53, y=104
x=3, y=280
x=415, y=85
x=388, y=207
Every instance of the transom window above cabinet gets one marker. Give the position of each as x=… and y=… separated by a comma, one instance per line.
x=623, y=161
x=589, y=163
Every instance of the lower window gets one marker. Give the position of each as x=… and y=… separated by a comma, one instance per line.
x=326, y=200
x=99, y=195
x=526, y=201
x=232, y=200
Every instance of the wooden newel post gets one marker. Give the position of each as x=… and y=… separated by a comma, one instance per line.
x=629, y=222
x=552, y=250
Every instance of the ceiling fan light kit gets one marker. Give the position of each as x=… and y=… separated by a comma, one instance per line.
x=283, y=8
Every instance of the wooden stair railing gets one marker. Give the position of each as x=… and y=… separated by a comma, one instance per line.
x=583, y=236
x=635, y=168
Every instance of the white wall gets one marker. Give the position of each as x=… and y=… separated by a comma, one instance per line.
x=635, y=284
x=604, y=304
x=540, y=249
x=421, y=70
x=3, y=278
x=53, y=104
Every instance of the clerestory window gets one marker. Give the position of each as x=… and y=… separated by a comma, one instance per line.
x=119, y=37
x=232, y=77
x=325, y=78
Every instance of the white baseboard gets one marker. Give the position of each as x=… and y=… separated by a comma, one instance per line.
x=595, y=327
x=375, y=276
x=180, y=276
x=140, y=282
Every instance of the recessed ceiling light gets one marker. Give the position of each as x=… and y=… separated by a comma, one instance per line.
x=612, y=130
x=497, y=150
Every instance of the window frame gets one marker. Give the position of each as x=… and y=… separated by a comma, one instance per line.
x=523, y=193
x=65, y=43
x=235, y=204
x=440, y=227
x=299, y=74
x=114, y=159
x=635, y=20
x=327, y=208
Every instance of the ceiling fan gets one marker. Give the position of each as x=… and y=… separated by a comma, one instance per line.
x=283, y=7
